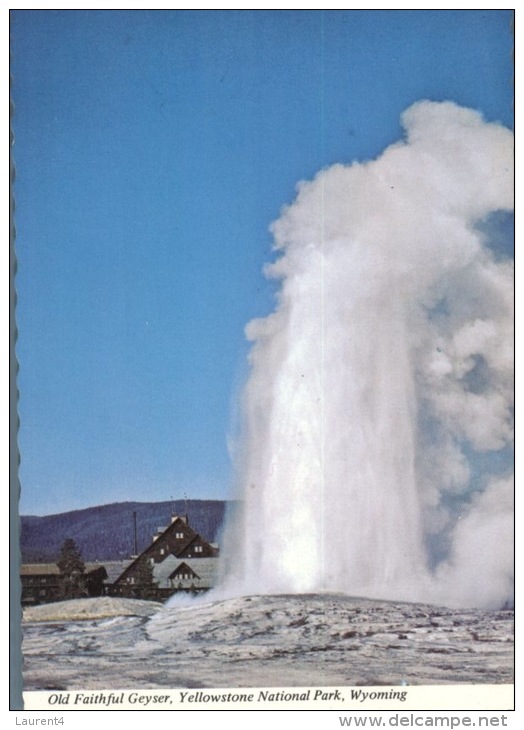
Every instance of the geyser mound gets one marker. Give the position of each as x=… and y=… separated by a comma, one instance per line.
x=277, y=641
x=383, y=380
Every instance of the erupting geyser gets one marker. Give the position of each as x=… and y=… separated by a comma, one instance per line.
x=384, y=377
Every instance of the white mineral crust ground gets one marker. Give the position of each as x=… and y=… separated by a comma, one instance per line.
x=263, y=641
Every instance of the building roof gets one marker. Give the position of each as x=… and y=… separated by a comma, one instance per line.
x=52, y=568
x=205, y=568
x=114, y=569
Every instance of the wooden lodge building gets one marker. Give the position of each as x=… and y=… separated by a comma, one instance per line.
x=180, y=560
x=41, y=582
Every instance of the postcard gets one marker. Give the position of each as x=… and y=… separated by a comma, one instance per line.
x=264, y=340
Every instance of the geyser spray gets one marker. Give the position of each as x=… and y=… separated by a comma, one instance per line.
x=381, y=376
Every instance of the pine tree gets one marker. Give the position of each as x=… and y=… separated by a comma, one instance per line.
x=72, y=571
x=145, y=584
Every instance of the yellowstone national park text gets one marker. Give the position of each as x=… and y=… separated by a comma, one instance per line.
x=261, y=696
x=186, y=698
x=300, y=698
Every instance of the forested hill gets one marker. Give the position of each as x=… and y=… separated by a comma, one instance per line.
x=107, y=532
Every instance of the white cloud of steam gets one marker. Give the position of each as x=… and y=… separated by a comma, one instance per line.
x=480, y=567
x=386, y=367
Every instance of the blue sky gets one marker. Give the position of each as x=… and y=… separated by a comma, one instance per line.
x=153, y=150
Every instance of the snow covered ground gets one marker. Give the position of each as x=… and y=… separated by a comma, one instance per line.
x=264, y=641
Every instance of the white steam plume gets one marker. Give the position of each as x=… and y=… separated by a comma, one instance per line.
x=383, y=376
